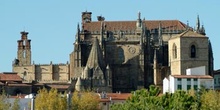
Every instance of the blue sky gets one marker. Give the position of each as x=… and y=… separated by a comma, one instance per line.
x=52, y=23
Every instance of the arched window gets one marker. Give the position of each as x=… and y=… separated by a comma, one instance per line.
x=193, y=51
x=120, y=55
x=174, y=51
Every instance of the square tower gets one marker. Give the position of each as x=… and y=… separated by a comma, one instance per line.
x=188, y=50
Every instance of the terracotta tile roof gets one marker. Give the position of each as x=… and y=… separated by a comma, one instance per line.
x=19, y=84
x=18, y=96
x=9, y=77
x=193, y=76
x=115, y=96
x=119, y=96
x=131, y=25
x=104, y=100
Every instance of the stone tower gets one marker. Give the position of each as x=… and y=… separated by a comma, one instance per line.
x=24, y=50
x=187, y=50
x=37, y=72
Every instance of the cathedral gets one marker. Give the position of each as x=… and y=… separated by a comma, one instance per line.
x=123, y=56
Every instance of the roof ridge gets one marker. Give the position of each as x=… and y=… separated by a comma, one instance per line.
x=135, y=20
x=191, y=34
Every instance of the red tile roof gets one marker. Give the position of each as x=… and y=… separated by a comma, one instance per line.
x=193, y=76
x=18, y=96
x=9, y=77
x=119, y=96
x=115, y=96
x=131, y=25
x=19, y=85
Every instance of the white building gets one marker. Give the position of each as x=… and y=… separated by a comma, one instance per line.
x=195, y=78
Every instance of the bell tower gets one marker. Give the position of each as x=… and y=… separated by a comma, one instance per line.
x=24, y=50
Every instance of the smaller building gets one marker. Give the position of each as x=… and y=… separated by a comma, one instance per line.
x=195, y=78
x=107, y=99
x=12, y=84
x=217, y=79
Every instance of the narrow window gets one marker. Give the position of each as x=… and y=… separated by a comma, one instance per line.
x=195, y=79
x=188, y=87
x=193, y=51
x=120, y=55
x=24, y=54
x=195, y=87
x=174, y=51
x=179, y=87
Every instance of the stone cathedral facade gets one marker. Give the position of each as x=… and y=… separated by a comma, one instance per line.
x=43, y=73
x=123, y=55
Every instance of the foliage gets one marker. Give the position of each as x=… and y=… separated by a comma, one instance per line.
x=16, y=105
x=210, y=100
x=4, y=104
x=141, y=99
x=180, y=100
x=85, y=101
x=150, y=100
x=50, y=100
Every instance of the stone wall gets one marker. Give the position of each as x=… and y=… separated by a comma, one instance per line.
x=47, y=72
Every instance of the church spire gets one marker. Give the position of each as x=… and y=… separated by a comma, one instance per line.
x=101, y=35
x=78, y=85
x=160, y=34
x=139, y=15
x=78, y=33
x=197, y=24
x=138, y=23
x=95, y=57
x=202, y=30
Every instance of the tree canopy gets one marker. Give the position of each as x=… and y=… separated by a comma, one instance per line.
x=52, y=100
x=85, y=101
x=151, y=100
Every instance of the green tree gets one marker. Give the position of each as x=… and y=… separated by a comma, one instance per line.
x=141, y=99
x=180, y=100
x=151, y=100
